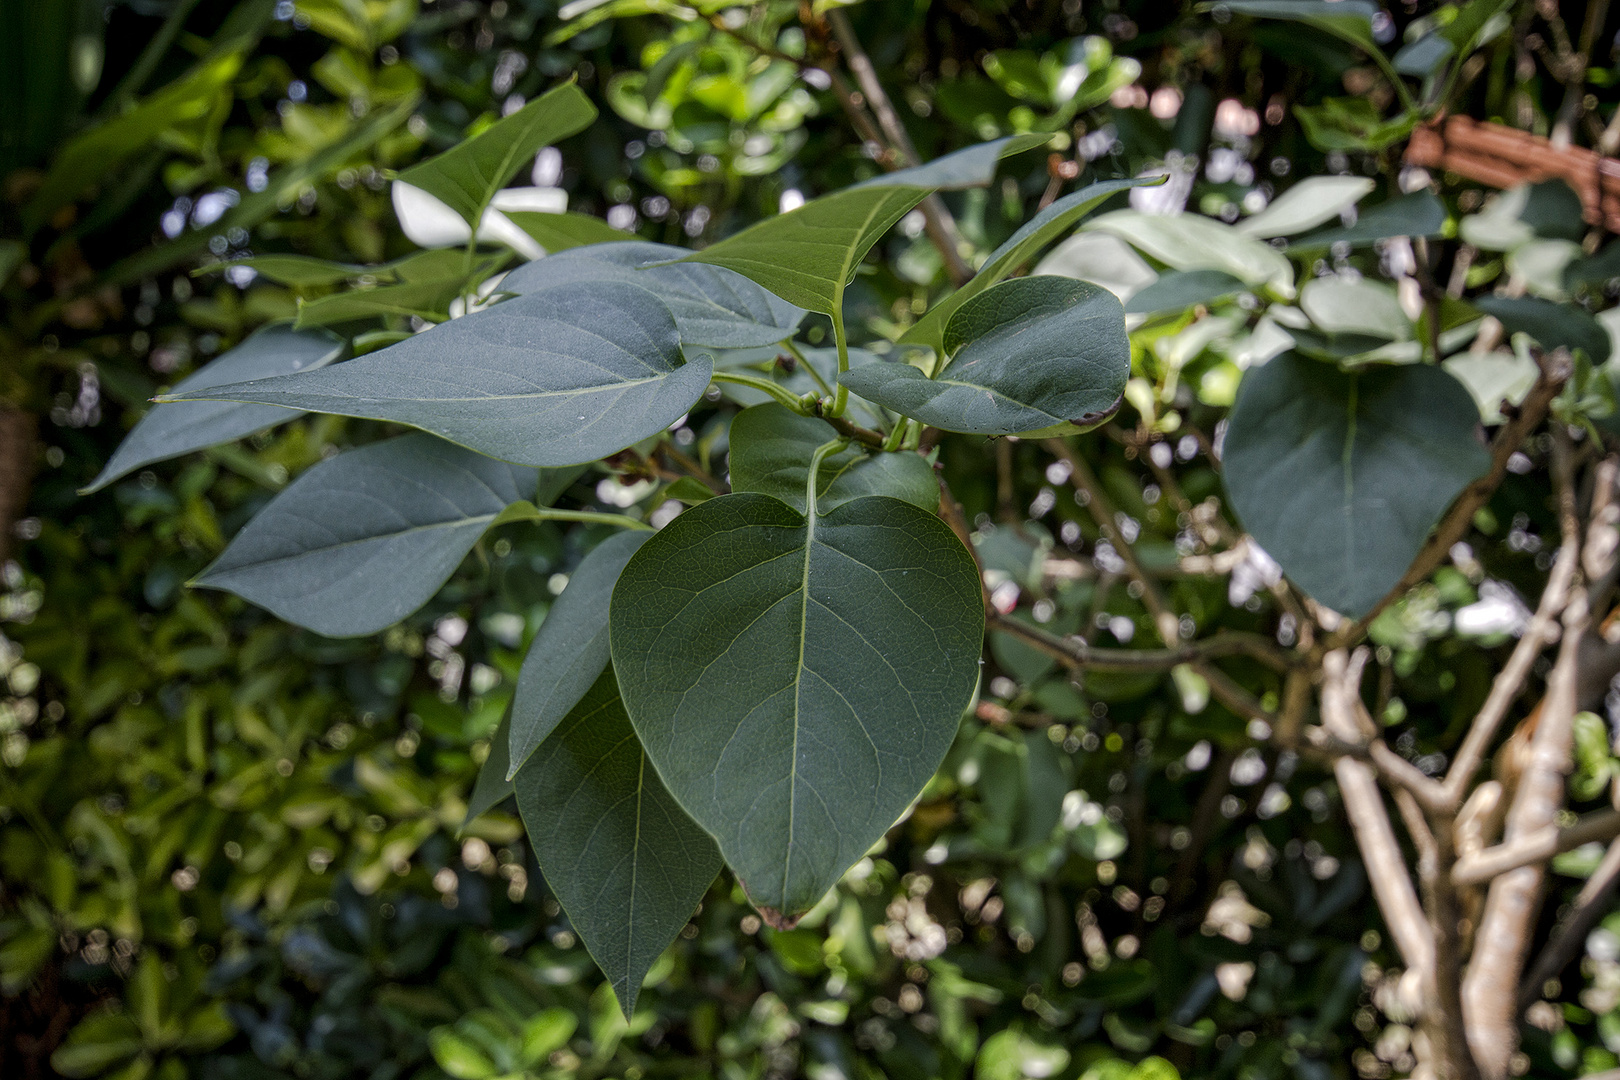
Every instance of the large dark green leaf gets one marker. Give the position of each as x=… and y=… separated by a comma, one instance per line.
x=1045, y=355
x=771, y=448
x=1551, y=325
x=1022, y=246
x=360, y=541
x=571, y=648
x=569, y=375
x=807, y=256
x=797, y=680
x=1418, y=214
x=467, y=176
x=168, y=431
x=712, y=306
x=627, y=865
x=1349, y=20
x=1341, y=475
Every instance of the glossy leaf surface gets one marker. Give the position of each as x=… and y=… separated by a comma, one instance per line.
x=627, y=864
x=1034, y=354
x=567, y=376
x=771, y=448
x=364, y=539
x=1340, y=476
x=1418, y=214
x=570, y=650
x=797, y=680
x=168, y=431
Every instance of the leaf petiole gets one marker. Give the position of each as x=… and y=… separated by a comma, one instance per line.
x=841, y=396
x=831, y=446
x=528, y=512
x=757, y=382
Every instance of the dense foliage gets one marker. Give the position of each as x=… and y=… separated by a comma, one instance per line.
x=232, y=847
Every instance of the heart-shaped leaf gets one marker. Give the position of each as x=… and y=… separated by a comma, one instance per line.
x=1041, y=355
x=771, y=449
x=467, y=176
x=1339, y=476
x=566, y=376
x=625, y=862
x=570, y=650
x=364, y=539
x=807, y=256
x=797, y=679
x=1021, y=247
x=168, y=431
x=712, y=306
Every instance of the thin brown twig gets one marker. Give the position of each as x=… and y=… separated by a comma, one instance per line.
x=1077, y=654
x=1535, y=847
x=1594, y=902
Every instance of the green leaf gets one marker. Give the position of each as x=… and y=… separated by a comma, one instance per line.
x=459, y=1057
x=1418, y=214
x=1043, y=355
x=712, y=306
x=425, y=284
x=1191, y=242
x=1493, y=378
x=627, y=865
x=492, y=785
x=570, y=650
x=1339, y=476
x=1424, y=56
x=1349, y=20
x=85, y=159
x=1182, y=289
x=797, y=679
x=1352, y=124
x=1309, y=203
x=688, y=490
x=300, y=271
x=1362, y=306
x=545, y=1032
x=97, y=1043
x=559, y=232
x=364, y=539
x=566, y=376
x=1020, y=247
x=771, y=448
x=467, y=176
x=167, y=431
x=807, y=256
x=1551, y=325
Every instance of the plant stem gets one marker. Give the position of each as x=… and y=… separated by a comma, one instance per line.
x=831, y=446
x=841, y=395
x=757, y=382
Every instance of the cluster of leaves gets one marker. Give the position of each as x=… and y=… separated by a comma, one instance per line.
x=1031, y=860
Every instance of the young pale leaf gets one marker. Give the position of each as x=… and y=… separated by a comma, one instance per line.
x=1418, y=214
x=569, y=375
x=771, y=447
x=1034, y=355
x=807, y=256
x=492, y=784
x=1181, y=289
x=168, y=431
x=467, y=176
x=570, y=650
x=360, y=541
x=627, y=865
x=713, y=307
x=1190, y=242
x=1349, y=20
x=797, y=680
x=1020, y=247
x=1341, y=475
x=1309, y=203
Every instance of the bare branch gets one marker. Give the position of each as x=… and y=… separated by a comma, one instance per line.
x=1594, y=902
x=1076, y=653
x=1386, y=868
x=1535, y=847
x=1490, y=990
